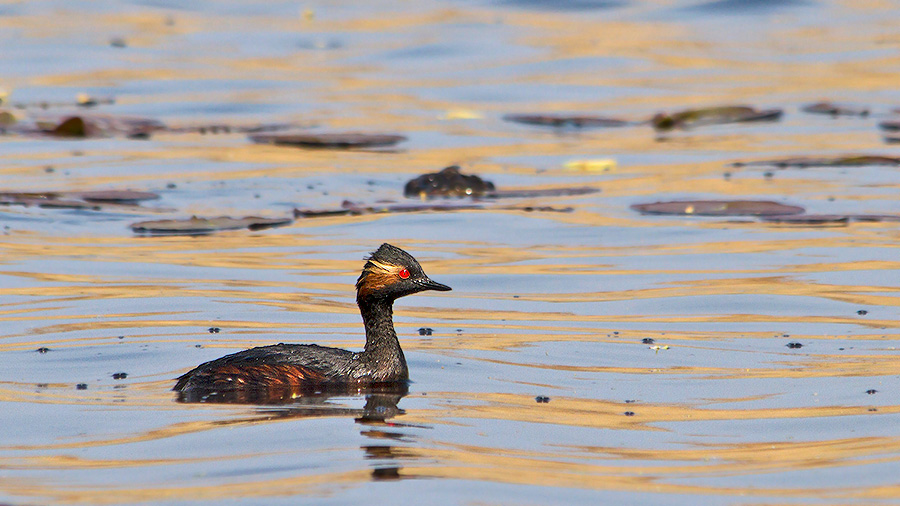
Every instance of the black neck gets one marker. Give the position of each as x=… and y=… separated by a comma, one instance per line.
x=382, y=347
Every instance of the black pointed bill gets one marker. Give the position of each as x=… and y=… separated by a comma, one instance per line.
x=428, y=284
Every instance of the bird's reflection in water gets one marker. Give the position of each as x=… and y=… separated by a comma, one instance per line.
x=381, y=406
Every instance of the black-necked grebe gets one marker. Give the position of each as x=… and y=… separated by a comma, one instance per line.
x=389, y=273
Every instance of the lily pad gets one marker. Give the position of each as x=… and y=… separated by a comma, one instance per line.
x=330, y=140
x=525, y=193
x=83, y=126
x=45, y=200
x=833, y=109
x=718, y=208
x=875, y=218
x=713, y=115
x=355, y=209
x=836, y=161
x=115, y=196
x=75, y=200
x=809, y=219
x=199, y=226
x=558, y=120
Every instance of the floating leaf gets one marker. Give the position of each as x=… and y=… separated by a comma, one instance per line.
x=329, y=140
x=449, y=182
x=809, y=219
x=835, y=109
x=115, y=196
x=354, y=209
x=198, y=226
x=101, y=126
x=718, y=208
x=875, y=218
x=837, y=161
x=713, y=115
x=554, y=120
x=544, y=192
x=75, y=200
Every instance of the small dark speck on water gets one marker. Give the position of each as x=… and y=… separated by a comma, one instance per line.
x=871, y=391
x=121, y=337
x=425, y=331
x=628, y=413
x=629, y=401
x=615, y=332
x=727, y=176
x=42, y=350
x=862, y=312
x=873, y=409
x=117, y=42
x=515, y=296
x=120, y=375
x=48, y=169
x=542, y=399
x=794, y=346
x=81, y=386
x=647, y=340
x=785, y=335
x=214, y=330
x=768, y=175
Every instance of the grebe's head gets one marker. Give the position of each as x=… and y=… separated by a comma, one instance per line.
x=391, y=273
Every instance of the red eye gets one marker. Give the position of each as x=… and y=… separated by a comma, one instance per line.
x=403, y=273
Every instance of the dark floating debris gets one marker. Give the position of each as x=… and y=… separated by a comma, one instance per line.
x=214, y=330
x=809, y=219
x=830, y=219
x=542, y=399
x=628, y=413
x=794, y=346
x=115, y=196
x=329, y=140
x=81, y=386
x=120, y=375
x=862, y=312
x=836, y=161
x=425, y=331
x=833, y=109
x=712, y=116
x=223, y=128
x=91, y=126
x=355, y=209
x=871, y=391
x=890, y=126
x=199, y=226
x=647, y=340
x=449, y=182
x=561, y=120
x=718, y=208
x=91, y=200
x=42, y=350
